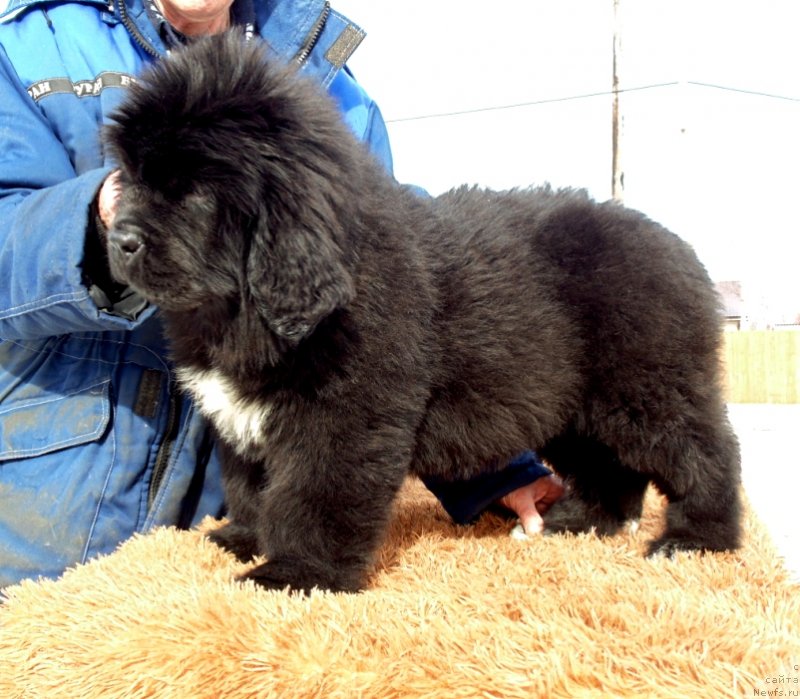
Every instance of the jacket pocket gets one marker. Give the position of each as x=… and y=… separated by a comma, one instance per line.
x=51, y=422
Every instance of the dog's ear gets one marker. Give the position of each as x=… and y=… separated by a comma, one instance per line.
x=297, y=274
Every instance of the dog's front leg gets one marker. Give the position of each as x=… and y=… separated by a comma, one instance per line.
x=329, y=497
x=243, y=477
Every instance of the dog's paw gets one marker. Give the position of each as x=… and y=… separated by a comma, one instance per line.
x=236, y=539
x=673, y=542
x=572, y=514
x=298, y=576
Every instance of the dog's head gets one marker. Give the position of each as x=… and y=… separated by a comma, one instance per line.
x=236, y=179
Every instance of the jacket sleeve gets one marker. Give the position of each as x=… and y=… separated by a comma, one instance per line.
x=463, y=500
x=44, y=218
x=362, y=115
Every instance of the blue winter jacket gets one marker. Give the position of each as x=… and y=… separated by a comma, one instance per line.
x=95, y=442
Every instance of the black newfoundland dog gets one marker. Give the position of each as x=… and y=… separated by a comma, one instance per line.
x=341, y=331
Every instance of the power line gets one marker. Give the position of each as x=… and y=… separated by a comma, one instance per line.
x=502, y=107
x=745, y=92
x=588, y=95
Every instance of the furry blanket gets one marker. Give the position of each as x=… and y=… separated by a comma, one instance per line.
x=450, y=612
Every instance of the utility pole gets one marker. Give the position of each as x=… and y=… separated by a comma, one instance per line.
x=617, y=173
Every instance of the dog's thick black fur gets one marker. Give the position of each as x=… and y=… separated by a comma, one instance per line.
x=342, y=331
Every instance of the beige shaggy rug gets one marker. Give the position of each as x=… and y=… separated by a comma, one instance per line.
x=452, y=612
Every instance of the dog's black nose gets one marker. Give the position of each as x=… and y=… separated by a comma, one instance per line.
x=127, y=239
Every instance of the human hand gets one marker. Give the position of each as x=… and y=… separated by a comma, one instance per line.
x=108, y=198
x=531, y=501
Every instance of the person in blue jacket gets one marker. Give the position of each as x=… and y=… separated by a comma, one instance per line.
x=95, y=442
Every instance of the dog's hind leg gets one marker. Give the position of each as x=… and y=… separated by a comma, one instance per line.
x=602, y=494
x=689, y=451
x=700, y=476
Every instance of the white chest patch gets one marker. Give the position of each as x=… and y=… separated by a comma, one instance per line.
x=240, y=421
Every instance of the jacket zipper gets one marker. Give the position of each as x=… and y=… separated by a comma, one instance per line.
x=314, y=35
x=165, y=450
x=133, y=30
x=300, y=58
